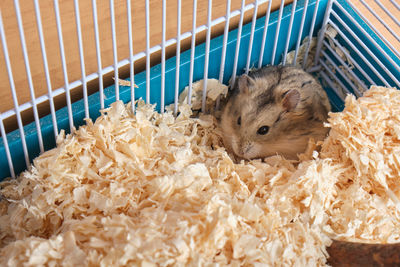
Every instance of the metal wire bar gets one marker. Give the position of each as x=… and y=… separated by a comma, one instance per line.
x=366, y=61
x=224, y=43
x=395, y=4
x=239, y=35
x=303, y=17
x=277, y=32
x=345, y=65
x=369, y=38
x=207, y=56
x=355, y=89
x=330, y=83
x=124, y=62
x=147, y=52
x=178, y=58
x=367, y=49
x=7, y=148
x=338, y=45
x=61, y=90
x=380, y=20
x=260, y=61
x=334, y=76
x=13, y=91
x=131, y=60
x=114, y=45
x=253, y=25
x=192, y=50
x=98, y=54
x=50, y=95
x=383, y=38
x=388, y=12
x=64, y=65
x=164, y=22
x=29, y=74
x=321, y=33
x=82, y=59
x=311, y=34
x=289, y=34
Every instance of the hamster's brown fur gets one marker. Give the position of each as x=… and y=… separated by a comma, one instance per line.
x=274, y=110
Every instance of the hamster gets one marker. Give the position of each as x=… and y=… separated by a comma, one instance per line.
x=274, y=110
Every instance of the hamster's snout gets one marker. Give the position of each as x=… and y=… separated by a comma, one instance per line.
x=244, y=149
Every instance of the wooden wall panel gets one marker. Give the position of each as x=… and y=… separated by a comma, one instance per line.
x=374, y=21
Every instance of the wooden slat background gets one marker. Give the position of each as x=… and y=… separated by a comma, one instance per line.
x=374, y=21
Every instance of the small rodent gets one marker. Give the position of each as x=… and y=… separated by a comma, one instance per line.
x=274, y=110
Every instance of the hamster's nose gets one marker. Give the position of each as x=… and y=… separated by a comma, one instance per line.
x=246, y=147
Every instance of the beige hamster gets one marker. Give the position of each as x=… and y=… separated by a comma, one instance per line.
x=274, y=110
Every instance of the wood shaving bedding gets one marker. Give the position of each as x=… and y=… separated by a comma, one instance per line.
x=365, y=137
x=215, y=89
x=150, y=189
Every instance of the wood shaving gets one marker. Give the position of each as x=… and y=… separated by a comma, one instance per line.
x=214, y=90
x=365, y=138
x=149, y=189
x=125, y=83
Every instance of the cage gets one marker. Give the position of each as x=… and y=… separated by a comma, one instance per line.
x=67, y=60
x=350, y=50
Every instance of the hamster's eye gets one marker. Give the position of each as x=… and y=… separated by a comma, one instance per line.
x=239, y=121
x=263, y=130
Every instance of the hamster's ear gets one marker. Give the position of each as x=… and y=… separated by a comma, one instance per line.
x=245, y=81
x=290, y=99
